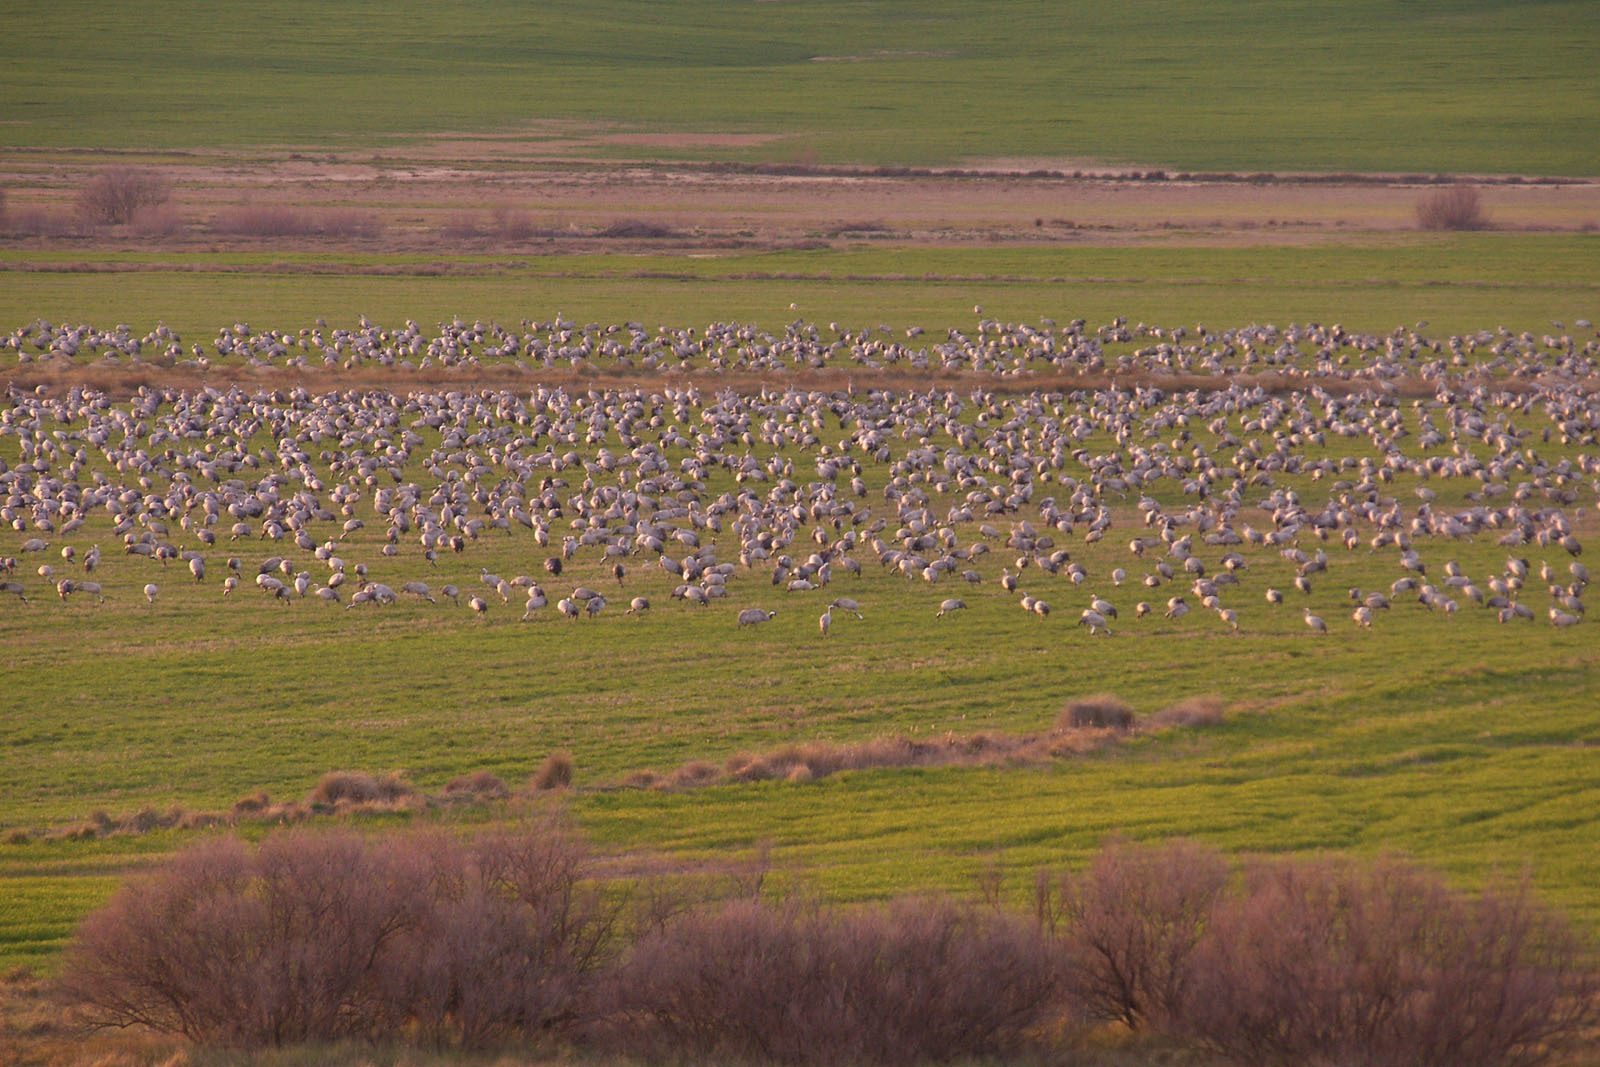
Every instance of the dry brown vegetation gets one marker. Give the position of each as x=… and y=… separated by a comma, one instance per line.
x=1455, y=207
x=120, y=195
x=518, y=938
x=337, y=793
x=470, y=195
x=1085, y=725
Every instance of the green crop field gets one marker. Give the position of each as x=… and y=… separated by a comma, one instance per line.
x=1457, y=283
x=1374, y=85
x=694, y=347
x=1456, y=738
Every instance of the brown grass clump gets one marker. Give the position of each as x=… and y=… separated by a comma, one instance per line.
x=118, y=195
x=554, y=773
x=479, y=785
x=1102, y=711
x=353, y=788
x=1455, y=207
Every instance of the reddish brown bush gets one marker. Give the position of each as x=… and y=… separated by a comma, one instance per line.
x=325, y=937
x=1191, y=712
x=1338, y=962
x=1455, y=207
x=917, y=982
x=1129, y=926
x=513, y=944
x=118, y=195
x=229, y=947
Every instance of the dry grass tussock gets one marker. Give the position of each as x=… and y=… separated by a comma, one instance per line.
x=1085, y=725
x=337, y=793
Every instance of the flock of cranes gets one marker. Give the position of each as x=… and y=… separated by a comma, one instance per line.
x=365, y=498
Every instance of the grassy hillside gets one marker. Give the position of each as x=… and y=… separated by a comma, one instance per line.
x=1365, y=85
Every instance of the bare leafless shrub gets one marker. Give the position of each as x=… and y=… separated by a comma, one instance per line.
x=1381, y=963
x=1455, y=207
x=513, y=945
x=1100, y=712
x=554, y=773
x=917, y=982
x=117, y=195
x=1129, y=926
x=229, y=947
x=325, y=937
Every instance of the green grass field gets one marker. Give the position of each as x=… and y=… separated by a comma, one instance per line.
x=1374, y=85
x=1456, y=739
x=1457, y=282
x=1462, y=742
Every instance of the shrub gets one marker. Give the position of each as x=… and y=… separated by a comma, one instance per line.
x=1101, y=712
x=1455, y=207
x=1129, y=926
x=511, y=947
x=327, y=937
x=554, y=773
x=917, y=982
x=1330, y=962
x=117, y=195
x=235, y=948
